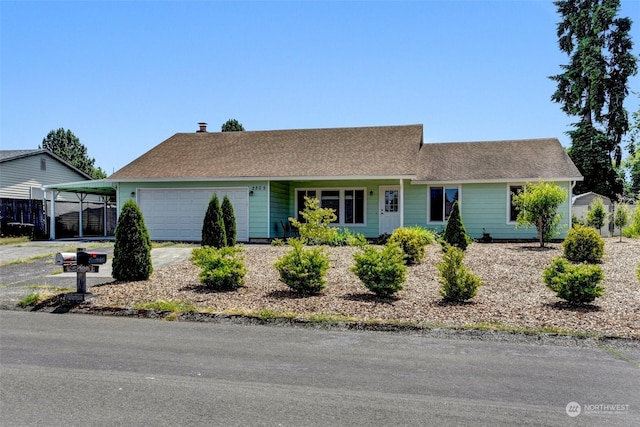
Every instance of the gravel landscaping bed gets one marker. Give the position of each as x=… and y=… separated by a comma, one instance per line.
x=513, y=294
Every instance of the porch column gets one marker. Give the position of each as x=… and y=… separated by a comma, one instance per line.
x=81, y=197
x=401, y=202
x=104, y=210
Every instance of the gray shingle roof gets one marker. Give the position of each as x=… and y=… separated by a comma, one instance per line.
x=527, y=159
x=343, y=152
x=6, y=155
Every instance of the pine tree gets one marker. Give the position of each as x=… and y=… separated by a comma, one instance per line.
x=229, y=219
x=593, y=87
x=455, y=234
x=132, y=249
x=213, y=231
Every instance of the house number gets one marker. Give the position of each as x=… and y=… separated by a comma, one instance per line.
x=258, y=188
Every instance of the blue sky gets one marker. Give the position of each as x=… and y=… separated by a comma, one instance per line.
x=124, y=76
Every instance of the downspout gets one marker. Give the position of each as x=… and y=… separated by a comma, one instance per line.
x=573, y=184
x=269, y=209
x=401, y=203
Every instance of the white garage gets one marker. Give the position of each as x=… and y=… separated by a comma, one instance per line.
x=178, y=214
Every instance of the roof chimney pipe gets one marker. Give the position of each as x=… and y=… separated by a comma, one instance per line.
x=203, y=127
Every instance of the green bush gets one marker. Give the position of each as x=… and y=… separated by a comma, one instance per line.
x=213, y=231
x=316, y=228
x=638, y=272
x=458, y=284
x=222, y=269
x=455, y=233
x=132, y=247
x=412, y=241
x=229, y=220
x=583, y=244
x=577, y=284
x=382, y=271
x=633, y=230
x=303, y=270
x=596, y=214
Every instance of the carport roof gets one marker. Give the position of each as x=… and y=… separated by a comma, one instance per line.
x=99, y=187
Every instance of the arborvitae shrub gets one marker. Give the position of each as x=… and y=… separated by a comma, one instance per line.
x=596, y=214
x=382, y=271
x=132, y=248
x=583, y=244
x=455, y=234
x=458, y=284
x=229, y=219
x=222, y=269
x=303, y=270
x=213, y=231
x=412, y=241
x=577, y=284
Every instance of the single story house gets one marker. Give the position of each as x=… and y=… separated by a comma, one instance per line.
x=376, y=178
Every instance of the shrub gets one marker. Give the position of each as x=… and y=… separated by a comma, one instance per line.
x=596, y=214
x=583, y=244
x=382, y=271
x=638, y=272
x=213, y=231
x=538, y=205
x=577, y=284
x=316, y=228
x=633, y=230
x=303, y=270
x=229, y=220
x=412, y=241
x=222, y=269
x=458, y=284
x=455, y=233
x=132, y=247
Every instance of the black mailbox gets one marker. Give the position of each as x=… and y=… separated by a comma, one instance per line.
x=89, y=258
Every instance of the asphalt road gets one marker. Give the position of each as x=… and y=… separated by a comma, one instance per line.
x=67, y=369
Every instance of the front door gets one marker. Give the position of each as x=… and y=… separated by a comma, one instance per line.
x=389, y=208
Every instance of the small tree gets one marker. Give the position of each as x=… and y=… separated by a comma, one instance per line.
x=455, y=234
x=132, y=248
x=621, y=217
x=538, y=205
x=316, y=229
x=213, y=231
x=229, y=219
x=596, y=214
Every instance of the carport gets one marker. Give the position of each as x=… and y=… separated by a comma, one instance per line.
x=105, y=189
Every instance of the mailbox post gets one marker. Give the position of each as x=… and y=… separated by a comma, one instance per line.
x=81, y=262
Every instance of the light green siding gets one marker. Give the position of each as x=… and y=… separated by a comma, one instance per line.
x=280, y=207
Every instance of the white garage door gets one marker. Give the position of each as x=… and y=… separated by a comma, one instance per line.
x=177, y=215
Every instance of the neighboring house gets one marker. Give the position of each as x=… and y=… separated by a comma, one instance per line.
x=23, y=176
x=376, y=178
x=582, y=201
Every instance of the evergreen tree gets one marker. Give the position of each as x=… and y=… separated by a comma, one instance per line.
x=64, y=144
x=593, y=87
x=596, y=214
x=213, y=231
x=132, y=249
x=229, y=219
x=455, y=234
x=232, y=125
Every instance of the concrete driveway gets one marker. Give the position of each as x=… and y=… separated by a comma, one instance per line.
x=27, y=267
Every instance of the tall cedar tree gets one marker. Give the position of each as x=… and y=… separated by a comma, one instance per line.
x=229, y=219
x=593, y=87
x=67, y=146
x=455, y=234
x=213, y=231
x=232, y=125
x=132, y=249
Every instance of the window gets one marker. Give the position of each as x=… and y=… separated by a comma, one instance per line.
x=301, y=194
x=43, y=164
x=349, y=204
x=441, y=201
x=513, y=210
